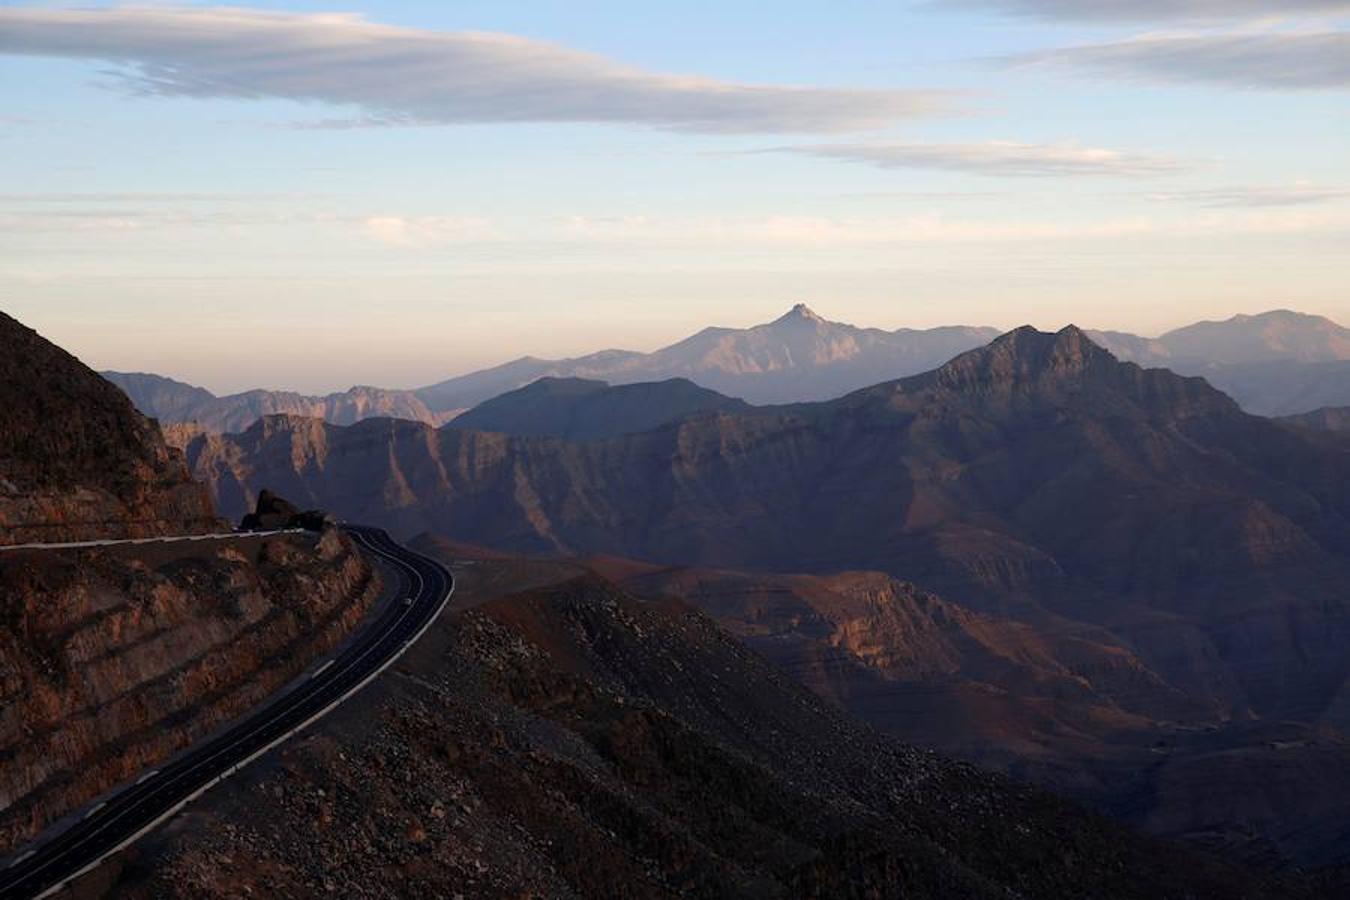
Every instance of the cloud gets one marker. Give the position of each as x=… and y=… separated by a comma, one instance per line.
x=1256, y=197
x=1000, y=158
x=828, y=232
x=407, y=75
x=1307, y=60
x=1154, y=10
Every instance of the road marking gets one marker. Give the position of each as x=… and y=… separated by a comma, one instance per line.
x=262, y=722
x=93, y=812
x=319, y=671
x=27, y=856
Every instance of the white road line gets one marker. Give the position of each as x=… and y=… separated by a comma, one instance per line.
x=56, y=888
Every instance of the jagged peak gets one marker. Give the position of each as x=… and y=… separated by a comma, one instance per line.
x=1027, y=352
x=800, y=313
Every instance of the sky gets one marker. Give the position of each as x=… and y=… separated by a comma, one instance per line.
x=309, y=196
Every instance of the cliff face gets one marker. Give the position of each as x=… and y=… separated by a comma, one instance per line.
x=113, y=659
x=76, y=459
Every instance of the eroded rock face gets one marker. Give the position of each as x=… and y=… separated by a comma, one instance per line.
x=76, y=460
x=111, y=660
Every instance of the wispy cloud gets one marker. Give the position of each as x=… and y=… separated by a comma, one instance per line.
x=1280, y=60
x=1258, y=197
x=395, y=74
x=1001, y=158
x=1153, y=10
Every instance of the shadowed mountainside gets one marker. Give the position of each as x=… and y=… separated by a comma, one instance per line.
x=76, y=459
x=570, y=742
x=1328, y=418
x=578, y=409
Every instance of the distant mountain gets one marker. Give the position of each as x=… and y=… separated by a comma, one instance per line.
x=581, y=409
x=173, y=402
x=1329, y=418
x=1274, y=363
x=799, y=356
x=77, y=460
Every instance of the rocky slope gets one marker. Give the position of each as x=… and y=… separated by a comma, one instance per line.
x=570, y=742
x=115, y=658
x=76, y=460
x=1152, y=536
x=1061, y=704
x=580, y=409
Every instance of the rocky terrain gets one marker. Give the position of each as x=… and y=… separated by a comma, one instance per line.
x=580, y=409
x=1062, y=704
x=569, y=741
x=76, y=459
x=115, y=658
x=1175, y=561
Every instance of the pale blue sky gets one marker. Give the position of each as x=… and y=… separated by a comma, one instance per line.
x=164, y=206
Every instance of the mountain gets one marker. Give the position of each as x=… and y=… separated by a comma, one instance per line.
x=1065, y=704
x=1330, y=418
x=116, y=657
x=1275, y=363
x=76, y=459
x=559, y=738
x=581, y=409
x=1154, y=537
x=173, y=402
x=1034, y=475
x=799, y=356
x=1280, y=334
x=1277, y=335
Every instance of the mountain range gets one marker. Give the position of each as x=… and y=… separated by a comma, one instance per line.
x=1275, y=363
x=554, y=736
x=1169, y=557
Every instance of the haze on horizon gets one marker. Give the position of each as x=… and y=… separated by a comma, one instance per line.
x=421, y=190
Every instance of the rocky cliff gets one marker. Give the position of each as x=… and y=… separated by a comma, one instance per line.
x=76, y=459
x=113, y=659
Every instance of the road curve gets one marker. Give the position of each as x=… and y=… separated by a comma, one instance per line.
x=44, y=869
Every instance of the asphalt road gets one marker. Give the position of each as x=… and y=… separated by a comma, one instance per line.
x=158, y=794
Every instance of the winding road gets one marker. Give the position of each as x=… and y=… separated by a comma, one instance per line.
x=424, y=590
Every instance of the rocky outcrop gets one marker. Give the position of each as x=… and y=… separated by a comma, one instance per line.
x=76, y=459
x=113, y=659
